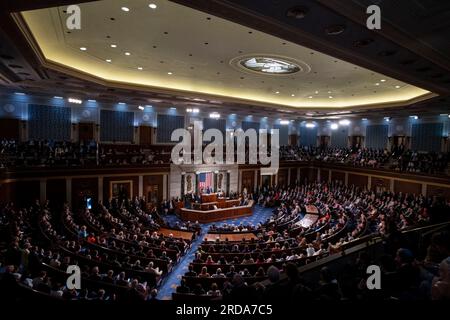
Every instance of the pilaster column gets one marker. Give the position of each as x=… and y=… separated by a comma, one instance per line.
x=100, y=189
x=165, y=187
x=69, y=191
x=141, y=187
x=424, y=189
x=42, y=190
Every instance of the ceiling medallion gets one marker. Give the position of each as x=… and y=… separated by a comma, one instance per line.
x=269, y=64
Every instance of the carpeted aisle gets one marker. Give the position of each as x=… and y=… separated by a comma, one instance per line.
x=171, y=282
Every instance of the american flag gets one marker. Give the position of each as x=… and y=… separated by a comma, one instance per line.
x=205, y=180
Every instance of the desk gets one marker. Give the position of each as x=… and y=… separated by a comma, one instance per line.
x=205, y=216
x=231, y=236
x=308, y=220
x=311, y=209
x=178, y=234
x=311, y=217
x=221, y=203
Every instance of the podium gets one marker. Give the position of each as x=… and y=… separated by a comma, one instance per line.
x=207, y=198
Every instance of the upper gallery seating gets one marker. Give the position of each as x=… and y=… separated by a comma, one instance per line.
x=51, y=153
x=398, y=159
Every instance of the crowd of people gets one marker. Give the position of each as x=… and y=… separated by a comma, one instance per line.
x=49, y=153
x=123, y=257
x=362, y=157
x=225, y=227
x=119, y=250
x=63, y=153
x=415, y=162
x=397, y=159
x=404, y=277
x=283, y=243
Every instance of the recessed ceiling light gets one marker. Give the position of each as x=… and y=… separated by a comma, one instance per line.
x=193, y=110
x=114, y=46
x=310, y=97
x=140, y=68
x=83, y=48
x=57, y=97
x=377, y=84
x=292, y=95
x=92, y=100
x=125, y=9
x=397, y=87
x=169, y=73
x=141, y=108
x=330, y=97
x=317, y=92
x=364, y=119
x=121, y=103
x=152, y=6
x=74, y=100
x=329, y=91
x=127, y=54
x=383, y=80
x=19, y=93
x=108, y=60
x=277, y=92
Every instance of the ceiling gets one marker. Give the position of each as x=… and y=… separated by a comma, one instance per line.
x=406, y=49
x=199, y=51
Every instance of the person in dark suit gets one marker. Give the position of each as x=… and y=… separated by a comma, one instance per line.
x=183, y=288
x=191, y=272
